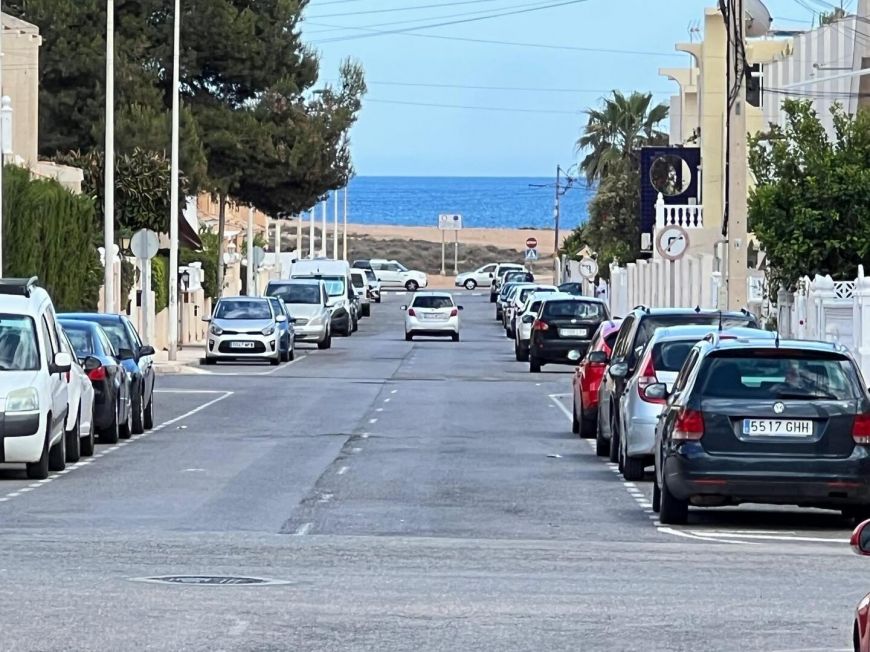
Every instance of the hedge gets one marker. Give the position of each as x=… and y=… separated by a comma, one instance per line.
x=159, y=283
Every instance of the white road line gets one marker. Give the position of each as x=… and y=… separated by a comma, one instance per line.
x=302, y=530
x=686, y=535
x=565, y=411
x=324, y=498
x=365, y=435
x=356, y=450
x=373, y=421
x=342, y=470
x=724, y=533
x=386, y=400
x=379, y=410
x=188, y=391
x=394, y=391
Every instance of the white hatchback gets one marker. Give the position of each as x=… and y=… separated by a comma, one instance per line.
x=432, y=313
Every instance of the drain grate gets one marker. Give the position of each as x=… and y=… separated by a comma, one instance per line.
x=210, y=580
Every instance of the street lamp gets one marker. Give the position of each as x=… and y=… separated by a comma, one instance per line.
x=173, y=183
x=125, y=245
x=184, y=277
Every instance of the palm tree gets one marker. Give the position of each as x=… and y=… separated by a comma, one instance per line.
x=615, y=132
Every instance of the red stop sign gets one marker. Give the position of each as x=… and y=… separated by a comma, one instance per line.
x=531, y=243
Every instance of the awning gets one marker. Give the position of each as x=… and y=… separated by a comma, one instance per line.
x=187, y=236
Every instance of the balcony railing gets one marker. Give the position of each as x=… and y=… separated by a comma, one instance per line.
x=688, y=216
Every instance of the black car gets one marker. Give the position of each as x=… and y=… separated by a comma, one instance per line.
x=112, y=408
x=635, y=332
x=563, y=329
x=572, y=288
x=139, y=363
x=764, y=421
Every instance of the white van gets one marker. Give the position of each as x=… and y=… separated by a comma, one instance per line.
x=342, y=297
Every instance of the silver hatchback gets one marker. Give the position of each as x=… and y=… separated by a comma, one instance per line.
x=244, y=328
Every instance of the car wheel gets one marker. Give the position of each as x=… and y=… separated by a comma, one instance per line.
x=110, y=435
x=657, y=497
x=455, y=337
x=285, y=356
x=39, y=470
x=139, y=413
x=367, y=310
x=409, y=337
x=125, y=428
x=412, y=286
x=575, y=422
x=602, y=446
x=614, y=443
x=73, y=442
x=57, y=456
x=149, y=412
x=492, y=298
x=632, y=468
x=87, y=443
x=291, y=355
x=326, y=343
x=377, y=299
x=534, y=365
x=672, y=511
x=276, y=360
x=470, y=284
x=355, y=326
x=524, y=353
x=208, y=360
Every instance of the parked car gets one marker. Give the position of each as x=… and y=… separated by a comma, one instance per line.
x=588, y=376
x=361, y=285
x=526, y=318
x=107, y=375
x=563, y=329
x=394, y=276
x=482, y=277
x=860, y=542
x=374, y=286
x=637, y=328
x=784, y=422
x=500, y=270
x=33, y=384
x=516, y=304
x=501, y=301
x=139, y=363
x=306, y=300
x=80, y=401
x=243, y=328
x=638, y=413
x=432, y=313
x=362, y=264
x=572, y=288
x=339, y=289
x=285, y=327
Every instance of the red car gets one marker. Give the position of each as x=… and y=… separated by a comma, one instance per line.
x=587, y=378
x=861, y=630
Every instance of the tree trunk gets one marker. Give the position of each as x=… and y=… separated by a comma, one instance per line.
x=222, y=220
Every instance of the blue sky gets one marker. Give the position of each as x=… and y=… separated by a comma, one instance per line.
x=398, y=134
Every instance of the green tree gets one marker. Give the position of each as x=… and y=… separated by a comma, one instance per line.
x=810, y=208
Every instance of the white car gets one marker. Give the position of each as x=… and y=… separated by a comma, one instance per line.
x=393, y=275
x=432, y=313
x=80, y=419
x=524, y=319
x=512, y=309
x=480, y=277
x=361, y=287
x=34, y=392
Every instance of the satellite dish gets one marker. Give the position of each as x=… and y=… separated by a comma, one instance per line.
x=758, y=18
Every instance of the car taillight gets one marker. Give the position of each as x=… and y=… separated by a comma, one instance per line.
x=647, y=377
x=411, y=312
x=540, y=325
x=454, y=312
x=689, y=425
x=97, y=374
x=861, y=429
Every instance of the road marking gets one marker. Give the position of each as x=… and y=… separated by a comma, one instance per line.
x=365, y=435
x=250, y=373
x=780, y=537
x=85, y=462
x=565, y=411
x=678, y=533
x=302, y=530
x=379, y=410
x=342, y=470
x=373, y=421
x=188, y=391
x=386, y=400
x=324, y=498
x=356, y=450
x=394, y=391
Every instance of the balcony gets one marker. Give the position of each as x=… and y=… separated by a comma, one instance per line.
x=688, y=216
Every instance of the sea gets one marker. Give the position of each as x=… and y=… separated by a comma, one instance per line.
x=483, y=202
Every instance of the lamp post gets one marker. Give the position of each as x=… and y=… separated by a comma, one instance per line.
x=173, y=183
x=109, y=164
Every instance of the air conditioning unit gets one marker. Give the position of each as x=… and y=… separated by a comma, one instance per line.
x=646, y=241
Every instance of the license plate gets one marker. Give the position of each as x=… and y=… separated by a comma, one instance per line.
x=433, y=316
x=778, y=427
x=241, y=345
x=573, y=332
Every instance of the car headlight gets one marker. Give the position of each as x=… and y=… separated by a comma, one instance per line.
x=269, y=330
x=214, y=329
x=23, y=400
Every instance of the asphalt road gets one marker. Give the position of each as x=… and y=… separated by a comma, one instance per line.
x=404, y=496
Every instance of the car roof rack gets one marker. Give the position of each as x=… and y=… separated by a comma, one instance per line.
x=22, y=287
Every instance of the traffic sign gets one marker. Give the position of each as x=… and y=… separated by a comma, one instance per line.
x=588, y=268
x=144, y=244
x=531, y=243
x=450, y=222
x=672, y=242
x=531, y=254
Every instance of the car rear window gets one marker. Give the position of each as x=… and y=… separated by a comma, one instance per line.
x=574, y=310
x=432, y=302
x=296, y=293
x=778, y=374
x=649, y=324
x=670, y=356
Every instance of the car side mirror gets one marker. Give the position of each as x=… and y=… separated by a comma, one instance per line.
x=656, y=391
x=292, y=320
x=281, y=319
x=403, y=307
x=206, y=318
x=125, y=354
x=460, y=307
x=861, y=539
x=146, y=350
x=597, y=357
x=90, y=363
x=618, y=370
x=62, y=363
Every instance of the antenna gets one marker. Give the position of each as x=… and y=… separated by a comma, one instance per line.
x=697, y=308
x=720, y=321
x=776, y=339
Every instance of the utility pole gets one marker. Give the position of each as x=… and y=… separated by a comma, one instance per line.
x=734, y=227
x=173, y=188
x=344, y=240
x=249, y=268
x=311, y=218
x=299, y=236
x=3, y=148
x=324, y=237
x=335, y=225
x=109, y=166
x=277, y=239
x=556, y=211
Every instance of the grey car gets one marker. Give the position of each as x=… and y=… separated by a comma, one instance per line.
x=244, y=328
x=306, y=301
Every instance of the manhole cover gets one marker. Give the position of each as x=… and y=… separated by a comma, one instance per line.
x=210, y=580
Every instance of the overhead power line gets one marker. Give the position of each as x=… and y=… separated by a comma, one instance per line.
x=531, y=89
x=472, y=107
x=397, y=9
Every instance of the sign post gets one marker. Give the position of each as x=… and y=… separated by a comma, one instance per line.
x=672, y=243
x=450, y=222
x=588, y=270
x=531, y=252
x=144, y=245
x=259, y=254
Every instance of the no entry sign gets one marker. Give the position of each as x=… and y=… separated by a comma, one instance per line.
x=531, y=243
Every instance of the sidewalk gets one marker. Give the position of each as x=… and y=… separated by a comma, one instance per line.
x=187, y=360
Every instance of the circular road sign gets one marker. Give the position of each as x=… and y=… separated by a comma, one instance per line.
x=531, y=243
x=144, y=244
x=588, y=268
x=672, y=242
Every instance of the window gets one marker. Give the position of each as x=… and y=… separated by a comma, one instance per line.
x=610, y=340
x=487, y=269
x=81, y=341
x=651, y=323
x=19, y=349
x=686, y=372
x=133, y=335
x=623, y=341
x=277, y=308
x=297, y=293
x=670, y=356
x=391, y=267
x=435, y=303
x=118, y=335
x=108, y=347
x=370, y=275
x=240, y=309
x=574, y=310
x=359, y=280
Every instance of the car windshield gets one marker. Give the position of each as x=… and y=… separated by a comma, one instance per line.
x=297, y=293
x=780, y=374
x=432, y=302
x=670, y=356
x=334, y=285
x=18, y=344
x=574, y=310
x=242, y=309
x=118, y=335
x=651, y=323
x=80, y=338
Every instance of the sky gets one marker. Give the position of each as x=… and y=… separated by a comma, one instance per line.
x=530, y=123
